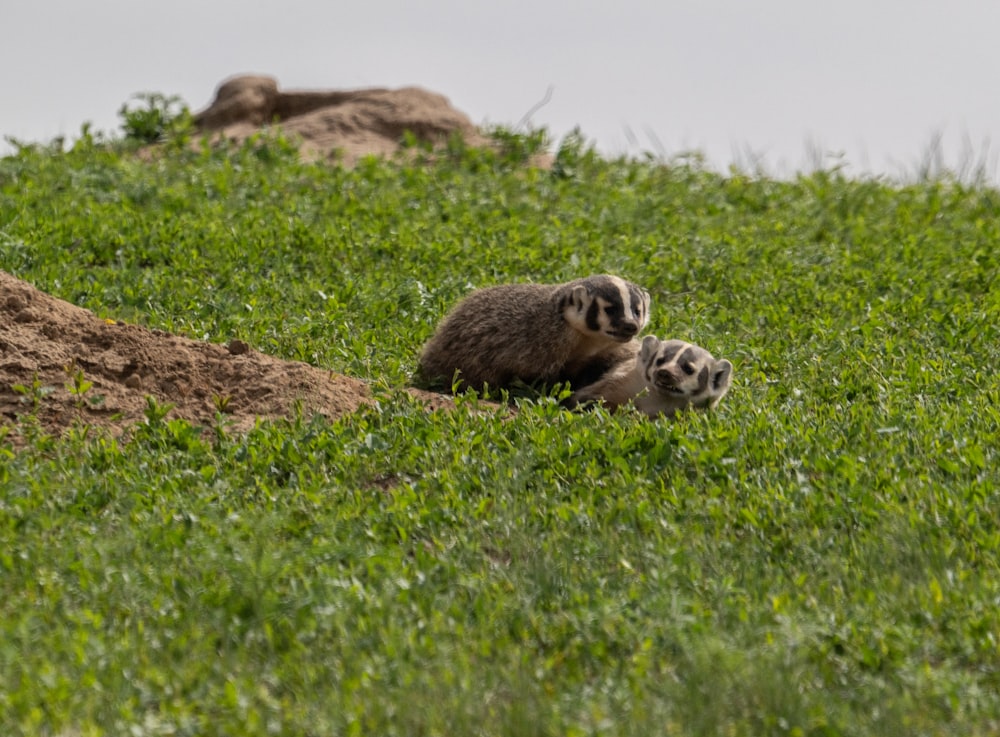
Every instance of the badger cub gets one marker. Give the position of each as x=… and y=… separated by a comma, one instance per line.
x=545, y=333
x=664, y=377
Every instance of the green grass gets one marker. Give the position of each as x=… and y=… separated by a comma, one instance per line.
x=819, y=556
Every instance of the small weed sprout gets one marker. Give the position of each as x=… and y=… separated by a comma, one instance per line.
x=222, y=402
x=156, y=412
x=34, y=393
x=78, y=385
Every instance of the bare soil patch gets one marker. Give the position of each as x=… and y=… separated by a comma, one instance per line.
x=44, y=341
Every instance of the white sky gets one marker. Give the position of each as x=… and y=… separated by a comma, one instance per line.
x=873, y=80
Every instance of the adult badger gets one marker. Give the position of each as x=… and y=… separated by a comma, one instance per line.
x=536, y=334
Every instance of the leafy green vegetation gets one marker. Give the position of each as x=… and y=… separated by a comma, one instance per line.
x=157, y=118
x=819, y=556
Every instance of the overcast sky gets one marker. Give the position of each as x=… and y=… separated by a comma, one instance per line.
x=874, y=80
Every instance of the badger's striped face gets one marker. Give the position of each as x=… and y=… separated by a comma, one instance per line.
x=608, y=306
x=684, y=371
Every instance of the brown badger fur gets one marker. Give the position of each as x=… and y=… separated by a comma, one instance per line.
x=535, y=333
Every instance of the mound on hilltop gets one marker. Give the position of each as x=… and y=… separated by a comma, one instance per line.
x=45, y=342
x=345, y=123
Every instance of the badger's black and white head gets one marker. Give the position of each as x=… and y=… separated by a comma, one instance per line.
x=606, y=306
x=684, y=373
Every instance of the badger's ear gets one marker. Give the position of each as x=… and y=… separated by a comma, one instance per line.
x=722, y=377
x=646, y=305
x=579, y=298
x=650, y=345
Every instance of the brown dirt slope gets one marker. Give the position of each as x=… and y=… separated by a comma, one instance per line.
x=47, y=340
x=345, y=123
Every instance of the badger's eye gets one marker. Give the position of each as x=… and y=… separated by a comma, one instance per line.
x=636, y=311
x=687, y=368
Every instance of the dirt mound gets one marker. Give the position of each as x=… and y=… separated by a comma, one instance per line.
x=347, y=123
x=45, y=343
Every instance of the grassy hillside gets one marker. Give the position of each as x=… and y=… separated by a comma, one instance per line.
x=819, y=556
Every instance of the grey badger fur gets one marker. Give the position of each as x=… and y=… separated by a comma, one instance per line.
x=663, y=377
x=536, y=333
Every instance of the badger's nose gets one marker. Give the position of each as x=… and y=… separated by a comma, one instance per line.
x=663, y=376
x=630, y=328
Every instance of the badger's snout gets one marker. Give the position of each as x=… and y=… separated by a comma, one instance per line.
x=666, y=380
